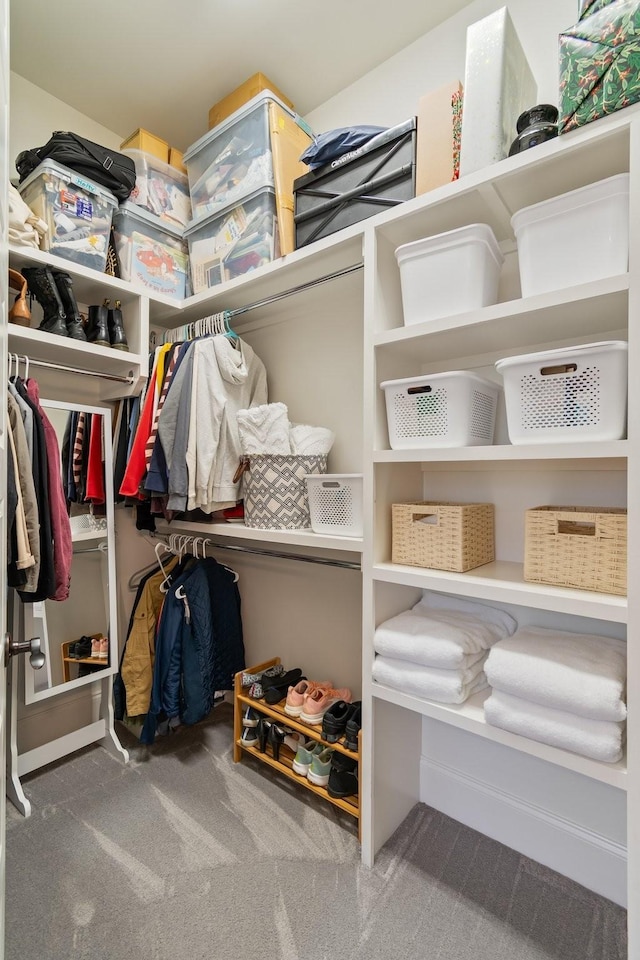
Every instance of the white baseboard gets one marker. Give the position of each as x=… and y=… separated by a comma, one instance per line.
x=595, y=861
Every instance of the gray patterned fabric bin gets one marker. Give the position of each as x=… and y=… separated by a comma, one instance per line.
x=275, y=492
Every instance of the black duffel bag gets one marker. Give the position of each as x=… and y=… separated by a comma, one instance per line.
x=110, y=169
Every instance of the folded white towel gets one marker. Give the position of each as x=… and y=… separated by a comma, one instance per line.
x=502, y=620
x=25, y=228
x=264, y=429
x=436, y=636
x=310, y=441
x=598, y=739
x=575, y=672
x=429, y=683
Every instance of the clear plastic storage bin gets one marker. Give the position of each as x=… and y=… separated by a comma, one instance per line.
x=579, y=236
x=233, y=242
x=151, y=252
x=257, y=146
x=449, y=273
x=454, y=409
x=77, y=212
x=335, y=503
x=574, y=393
x=160, y=188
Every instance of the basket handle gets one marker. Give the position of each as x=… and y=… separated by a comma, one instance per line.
x=558, y=368
x=428, y=518
x=576, y=528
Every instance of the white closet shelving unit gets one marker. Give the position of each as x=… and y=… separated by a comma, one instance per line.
x=511, y=477
x=326, y=350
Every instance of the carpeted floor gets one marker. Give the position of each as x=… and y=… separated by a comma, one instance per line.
x=182, y=855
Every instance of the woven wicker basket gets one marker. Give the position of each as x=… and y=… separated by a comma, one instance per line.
x=443, y=536
x=583, y=547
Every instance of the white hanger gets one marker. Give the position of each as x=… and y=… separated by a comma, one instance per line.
x=164, y=586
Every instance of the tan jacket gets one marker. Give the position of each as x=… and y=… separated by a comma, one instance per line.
x=139, y=655
x=24, y=479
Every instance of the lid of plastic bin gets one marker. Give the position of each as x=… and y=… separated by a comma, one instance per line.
x=69, y=176
x=333, y=476
x=263, y=97
x=380, y=140
x=567, y=202
x=138, y=156
x=145, y=216
x=429, y=378
x=562, y=354
x=478, y=232
x=194, y=225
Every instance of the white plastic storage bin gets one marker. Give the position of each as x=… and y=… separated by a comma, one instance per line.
x=151, y=252
x=161, y=189
x=335, y=503
x=574, y=393
x=77, y=212
x=244, y=153
x=579, y=236
x=454, y=409
x=234, y=241
x=450, y=273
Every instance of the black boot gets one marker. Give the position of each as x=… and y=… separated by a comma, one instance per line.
x=117, y=336
x=44, y=289
x=64, y=284
x=98, y=327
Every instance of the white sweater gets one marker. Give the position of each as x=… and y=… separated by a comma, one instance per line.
x=225, y=380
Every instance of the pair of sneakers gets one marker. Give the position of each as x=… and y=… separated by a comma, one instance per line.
x=342, y=781
x=313, y=761
x=99, y=648
x=343, y=719
x=309, y=700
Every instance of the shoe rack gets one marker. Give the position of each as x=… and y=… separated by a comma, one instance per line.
x=283, y=765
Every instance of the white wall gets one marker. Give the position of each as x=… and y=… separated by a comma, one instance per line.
x=35, y=114
x=390, y=93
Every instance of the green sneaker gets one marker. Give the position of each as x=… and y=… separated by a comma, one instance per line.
x=320, y=768
x=304, y=755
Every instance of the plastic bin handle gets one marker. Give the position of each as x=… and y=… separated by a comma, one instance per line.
x=558, y=368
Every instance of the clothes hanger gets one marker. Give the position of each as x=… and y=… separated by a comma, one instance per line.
x=230, y=333
x=166, y=583
x=236, y=575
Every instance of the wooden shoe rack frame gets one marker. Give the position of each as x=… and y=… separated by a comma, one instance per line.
x=284, y=765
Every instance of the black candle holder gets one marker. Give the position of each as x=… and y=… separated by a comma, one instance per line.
x=534, y=126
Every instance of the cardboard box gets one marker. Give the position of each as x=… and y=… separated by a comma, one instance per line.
x=241, y=95
x=439, y=137
x=175, y=159
x=147, y=142
x=598, y=64
x=498, y=87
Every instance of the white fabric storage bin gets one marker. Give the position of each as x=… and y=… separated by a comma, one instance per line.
x=574, y=393
x=335, y=503
x=453, y=409
x=579, y=236
x=431, y=270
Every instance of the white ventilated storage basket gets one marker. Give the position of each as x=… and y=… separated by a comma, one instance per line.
x=579, y=236
x=449, y=273
x=575, y=393
x=335, y=503
x=454, y=409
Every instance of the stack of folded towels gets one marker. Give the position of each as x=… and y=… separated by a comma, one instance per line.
x=564, y=689
x=437, y=649
x=266, y=429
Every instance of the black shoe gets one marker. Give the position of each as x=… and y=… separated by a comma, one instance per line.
x=352, y=727
x=276, y=690
x=276, y=739
x=43, y=287
x=98, y=325
x=81, y=649
x=117, y=336
x=334, y=720
x=64, y=283
x=263, y=728
x=343, y=777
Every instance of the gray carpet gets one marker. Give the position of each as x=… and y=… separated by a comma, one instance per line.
x=182, y=855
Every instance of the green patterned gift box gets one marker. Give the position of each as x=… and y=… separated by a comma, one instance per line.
x=600, y=63
x=588, y=7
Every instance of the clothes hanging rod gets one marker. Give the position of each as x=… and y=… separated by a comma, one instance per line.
x=86, y=373
x=293, y=290
x=216, y=545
